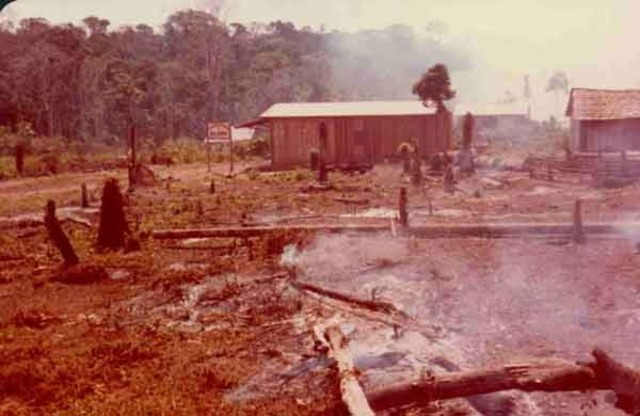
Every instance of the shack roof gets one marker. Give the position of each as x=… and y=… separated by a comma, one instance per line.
x=597, y=104
x=347, y=109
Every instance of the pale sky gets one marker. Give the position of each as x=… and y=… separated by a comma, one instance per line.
x=594, y=41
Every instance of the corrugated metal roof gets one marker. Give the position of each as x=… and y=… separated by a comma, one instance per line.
x=594, y=104
x=346, y=109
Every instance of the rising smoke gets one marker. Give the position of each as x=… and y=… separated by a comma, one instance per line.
x=384, y=64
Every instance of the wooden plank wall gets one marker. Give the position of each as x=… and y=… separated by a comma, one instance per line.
x=610, y=135
x=356, y=139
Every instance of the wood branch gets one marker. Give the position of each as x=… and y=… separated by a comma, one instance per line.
x=33, y=221
x=353, y=201
x=352, y=394
x=371, y=305
x=392, y=226
x=223, y=249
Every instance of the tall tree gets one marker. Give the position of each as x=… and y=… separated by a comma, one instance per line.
x=434, y=87
x=559, y=84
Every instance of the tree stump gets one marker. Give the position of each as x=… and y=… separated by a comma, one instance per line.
x=578, y=231
x=323, y=176
x=448, y=179
x=57, y=235
x=113, y=224
x=403, y=215
x=84, y=196
x=416, y=169
x=314, y=157
x=20, y=158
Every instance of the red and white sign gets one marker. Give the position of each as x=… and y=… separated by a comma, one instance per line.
x=218, y=131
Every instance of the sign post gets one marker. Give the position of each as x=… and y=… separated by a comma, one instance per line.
x=219, y=132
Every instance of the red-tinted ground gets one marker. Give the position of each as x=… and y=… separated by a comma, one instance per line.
x=199, y=327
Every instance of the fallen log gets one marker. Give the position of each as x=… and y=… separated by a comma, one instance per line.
x=371, y=305
x=33, y=221
x=488, y=230
x=353, y=201
x=352, y=394
x=261, y=230
x=544, y=375
x=547, y=375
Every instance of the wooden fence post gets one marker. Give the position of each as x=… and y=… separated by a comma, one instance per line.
x=578, y=231
x=84, y=196
x=20, y=158
x=402, y=207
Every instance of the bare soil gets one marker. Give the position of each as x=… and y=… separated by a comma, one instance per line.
x=211, y=326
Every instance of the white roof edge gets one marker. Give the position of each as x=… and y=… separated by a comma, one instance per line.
x=347, y=109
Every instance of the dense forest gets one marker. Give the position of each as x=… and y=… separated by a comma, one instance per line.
x=91, y=81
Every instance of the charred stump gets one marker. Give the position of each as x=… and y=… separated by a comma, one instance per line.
x=20, y=158
x=416, y=168
x=84, y=196
x=314, y=159
x=113, y=224
x=403, y=214
x=467, y=130
x=578, y=230
x=323, y=174
x=448, y=179
x=58, y=236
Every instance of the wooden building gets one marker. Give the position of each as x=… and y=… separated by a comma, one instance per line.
x=604, y=120
x=363, y=132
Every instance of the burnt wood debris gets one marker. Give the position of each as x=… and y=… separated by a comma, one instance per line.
x=113, y=228
x=58, y=236
x=20, y=151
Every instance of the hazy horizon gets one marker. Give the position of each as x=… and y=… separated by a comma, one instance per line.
x=503, y=40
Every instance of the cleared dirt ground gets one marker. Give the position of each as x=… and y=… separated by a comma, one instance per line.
x=212, y=327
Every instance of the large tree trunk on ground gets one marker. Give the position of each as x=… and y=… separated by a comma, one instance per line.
x=548, y=375
x=486, y=230
x=58, y=237
x=543, y=375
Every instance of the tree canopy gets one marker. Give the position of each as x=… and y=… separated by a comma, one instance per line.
x=434, y=87
x=558, y=82
x=91, y=81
